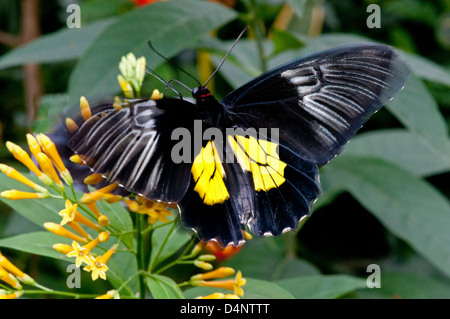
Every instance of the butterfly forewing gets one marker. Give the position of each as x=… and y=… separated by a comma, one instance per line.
x=320, y=101
x=130, y=144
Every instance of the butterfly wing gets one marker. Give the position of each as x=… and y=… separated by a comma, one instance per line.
x=319, y=101
x=131, y=144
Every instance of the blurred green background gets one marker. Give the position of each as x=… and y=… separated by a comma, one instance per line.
x=385, y=198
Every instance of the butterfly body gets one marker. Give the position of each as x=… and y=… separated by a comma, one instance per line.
x=251, y=159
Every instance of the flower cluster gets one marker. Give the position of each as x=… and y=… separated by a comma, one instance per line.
x=12, y=276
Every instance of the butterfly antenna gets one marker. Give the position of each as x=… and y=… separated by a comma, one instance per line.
x=168, y=85
x=226, y=55
x=172, y=63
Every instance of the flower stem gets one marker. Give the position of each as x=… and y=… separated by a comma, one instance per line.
x=140, y=253
x=150, y=267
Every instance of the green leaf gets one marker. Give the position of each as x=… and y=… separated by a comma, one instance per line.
x=406, y=149
x=410, y=286
x=65, y=44
x=39, y=243
x=162, y=287
x=177, y=239
x=418, y=111
x=264, y=258
x=321, y=286
x=49, y=113
x=171, y=26
x=409, y=207
x=38, y=211
x=120, y=218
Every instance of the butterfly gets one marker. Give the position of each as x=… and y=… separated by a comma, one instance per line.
x=253, y=158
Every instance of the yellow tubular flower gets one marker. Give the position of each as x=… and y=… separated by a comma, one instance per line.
x=33, y=145
x=85, y=109
x=126, y=87
x=23, y=157
x=234, y=285
x=216, y=295
x=101, y=219
x=61, y=231
x=111, y=294
x=15, y=195
x=71, y=214
x=93, y=179
x=63, y=248
x=98, y=265
x=71, y=125
x=76, y=227
x=98, y=194
x=221, y=272
x=50, y=149
x=203, y=265
x=6, y=264
x=77, y=159
x=47, y=167
x=112, y=198
x=156, y=95
x=5, y=295
x=14, y=174
x=9, y=279
x=81, y=253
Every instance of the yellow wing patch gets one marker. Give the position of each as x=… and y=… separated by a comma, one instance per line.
x=261, y=158
x=208, y=174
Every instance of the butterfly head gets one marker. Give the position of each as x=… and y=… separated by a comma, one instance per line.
x=201, y=93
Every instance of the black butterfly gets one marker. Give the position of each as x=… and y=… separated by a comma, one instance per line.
x=268, y=181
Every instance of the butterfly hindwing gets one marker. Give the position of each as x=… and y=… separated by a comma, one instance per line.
x=319, y=101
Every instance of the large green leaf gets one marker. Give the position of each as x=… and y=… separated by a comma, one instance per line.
x=264, y=258
x=408, y=206
x=418, y=111
x=399, y=146
x=408, y=286
x=162, y=287
x=171, y=26
x=39, y=243
x=66, y=44
x=321, y=286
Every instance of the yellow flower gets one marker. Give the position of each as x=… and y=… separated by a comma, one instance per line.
x=98, y=265
x=221, y=272
x=10, y=295
x=23, y=157
x=156, y=95
x=102, y=220
x=71, y=125
x=81, y=253
x=93, y=179
x=85, y=109
x=77, y=159
x=111, y=294
x=9, y=279
x=98, y=194
x=23, y=277
x=203, y=265
x=15, y=195
x=61, y=231
x=50, y=150
x=234, y=285
x=62, y=248
x=47, y=167
x=70, y=214
x=156, y=211
x=14, y=174
x=218, y=295
x=125, y=86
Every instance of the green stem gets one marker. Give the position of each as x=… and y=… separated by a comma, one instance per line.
x=177, y=261
x=150, y=268
x=140, y=253
x=255, y=25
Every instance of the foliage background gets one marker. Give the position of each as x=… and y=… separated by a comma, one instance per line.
x=385, y=198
